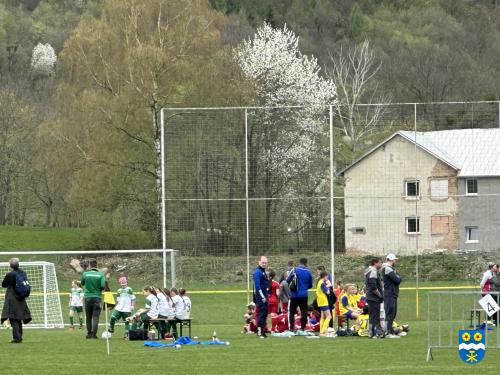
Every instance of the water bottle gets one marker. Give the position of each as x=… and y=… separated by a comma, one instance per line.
x=214, y=337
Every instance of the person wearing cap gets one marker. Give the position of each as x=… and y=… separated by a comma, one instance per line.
x=124, y=307
x=391, y=292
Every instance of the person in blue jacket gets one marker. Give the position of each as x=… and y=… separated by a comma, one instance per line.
x=302, y=278
x=261, y=296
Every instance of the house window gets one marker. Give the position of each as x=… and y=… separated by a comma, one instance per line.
x=412, y=225
x=359, y=230
x=471, y=186
x=472, y=234
x=412, y=188
x=439, y=189
x=440, y=224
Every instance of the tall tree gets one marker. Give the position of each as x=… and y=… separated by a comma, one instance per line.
x=282, y=141
x=119, y=70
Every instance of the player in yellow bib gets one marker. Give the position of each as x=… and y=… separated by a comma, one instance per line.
x=323, y=289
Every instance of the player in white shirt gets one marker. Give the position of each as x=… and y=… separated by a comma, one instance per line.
x=124, y=307
x=187, y=303
x=75, y=304
x=179, y=307
x=150, y=309
x=165, y=310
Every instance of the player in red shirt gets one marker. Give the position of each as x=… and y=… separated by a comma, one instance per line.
x=273, y=295
x=280, y=323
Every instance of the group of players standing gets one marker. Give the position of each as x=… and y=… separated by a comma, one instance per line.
x=381, y=286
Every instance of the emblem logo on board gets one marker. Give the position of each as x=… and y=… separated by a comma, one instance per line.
x=471, y=345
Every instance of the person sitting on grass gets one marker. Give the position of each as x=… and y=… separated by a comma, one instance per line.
x=142, y=317
x=348, y=305
x=75, y=304
x=250, y=324
x=361, y=326
x=323, y=290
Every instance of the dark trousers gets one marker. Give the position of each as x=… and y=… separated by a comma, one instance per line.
x=391, y=309
x=374, y=317
x=17, y=329
x=302, y=304
x=262, y=309
x=92, y=313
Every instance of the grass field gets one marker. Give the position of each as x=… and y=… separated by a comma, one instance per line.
x=63, y=352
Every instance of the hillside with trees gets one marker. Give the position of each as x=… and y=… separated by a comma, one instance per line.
x=82, y=83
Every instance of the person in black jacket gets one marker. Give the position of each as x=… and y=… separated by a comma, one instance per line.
x=391, y=293
x=15, y=308
x=374, y=297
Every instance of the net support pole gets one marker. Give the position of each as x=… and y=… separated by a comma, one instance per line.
x=173, y=275
x=45, y=312
x=247, y=222
x=163, y=226
x=416, y=216
x=332, y=200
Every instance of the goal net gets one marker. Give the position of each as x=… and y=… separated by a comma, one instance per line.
x=44, y=302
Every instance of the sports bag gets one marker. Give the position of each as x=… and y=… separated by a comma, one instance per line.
x=138, y=334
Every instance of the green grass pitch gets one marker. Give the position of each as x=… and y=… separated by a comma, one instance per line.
x=60, y=351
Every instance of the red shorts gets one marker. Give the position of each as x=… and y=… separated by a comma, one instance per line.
x=273, y=308
x=284, y=308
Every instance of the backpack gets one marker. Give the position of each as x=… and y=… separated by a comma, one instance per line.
x=294, y=284
x=23, y=287
x=138, y=334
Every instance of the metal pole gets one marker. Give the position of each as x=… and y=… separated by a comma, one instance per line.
x=416, y=215
x=45, y=318
x=163, y=227
x=499, y=114
x=173, y=274
x=332, y=200
x=246, y=207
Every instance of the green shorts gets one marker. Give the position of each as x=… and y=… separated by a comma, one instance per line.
x=77, y=309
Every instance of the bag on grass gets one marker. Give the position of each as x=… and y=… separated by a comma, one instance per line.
x=138, y=334
x=23, y=287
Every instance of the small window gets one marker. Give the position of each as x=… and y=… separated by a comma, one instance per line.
x=412, y=225
x=412, y=188
x=359, y=230
x=440, y=224
x=439, y=189
x=472, y=234
x=471, y=186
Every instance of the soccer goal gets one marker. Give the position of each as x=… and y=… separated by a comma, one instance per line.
x=44, y=302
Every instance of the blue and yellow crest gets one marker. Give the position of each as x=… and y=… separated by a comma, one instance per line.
x=471, y=345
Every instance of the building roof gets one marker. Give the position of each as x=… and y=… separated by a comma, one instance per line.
x=472, y=152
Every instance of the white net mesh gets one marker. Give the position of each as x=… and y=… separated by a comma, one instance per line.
x=44, y=302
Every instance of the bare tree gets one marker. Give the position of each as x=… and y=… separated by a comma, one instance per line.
x=352, y=70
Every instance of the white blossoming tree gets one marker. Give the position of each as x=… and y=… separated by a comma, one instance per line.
x=43, y=59
x=286, y=145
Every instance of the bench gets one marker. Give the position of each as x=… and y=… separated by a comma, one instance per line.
x=182, y=323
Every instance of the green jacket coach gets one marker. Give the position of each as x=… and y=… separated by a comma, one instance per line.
x=93, y=283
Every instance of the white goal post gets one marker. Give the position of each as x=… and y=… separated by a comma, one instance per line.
x=44, y=302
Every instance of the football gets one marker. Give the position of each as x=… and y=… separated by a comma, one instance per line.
x=106, y=335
